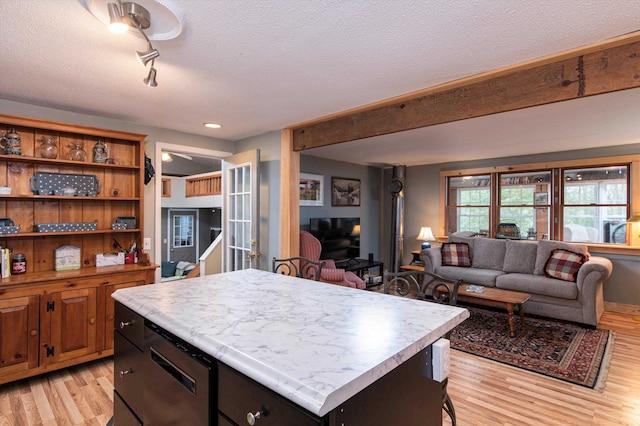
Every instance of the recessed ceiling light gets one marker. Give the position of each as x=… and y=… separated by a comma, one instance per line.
x=212, y=125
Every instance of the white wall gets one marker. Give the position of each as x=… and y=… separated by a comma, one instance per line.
x=369, y=210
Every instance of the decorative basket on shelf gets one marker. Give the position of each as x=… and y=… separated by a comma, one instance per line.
x=130, y=221
x=46, y=183
x=66, y=227
x=9, y=229
x=7, y=226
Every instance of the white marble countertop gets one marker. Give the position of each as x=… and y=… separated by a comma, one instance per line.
x=316, y=344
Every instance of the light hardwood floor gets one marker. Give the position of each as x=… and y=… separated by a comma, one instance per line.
x=484, y=392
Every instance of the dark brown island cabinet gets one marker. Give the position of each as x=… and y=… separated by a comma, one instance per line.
x=258, y=348
x=159, y=379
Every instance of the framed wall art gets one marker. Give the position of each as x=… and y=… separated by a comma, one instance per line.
x=541, y=198
x=311, y=189
x=345, y=192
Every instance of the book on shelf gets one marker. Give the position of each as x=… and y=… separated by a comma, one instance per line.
x=5, y=262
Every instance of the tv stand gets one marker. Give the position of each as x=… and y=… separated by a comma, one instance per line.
x=358, y=266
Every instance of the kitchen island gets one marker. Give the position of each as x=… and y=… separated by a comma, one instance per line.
x=316, y=346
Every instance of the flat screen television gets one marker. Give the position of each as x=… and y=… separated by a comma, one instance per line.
x=339, y=236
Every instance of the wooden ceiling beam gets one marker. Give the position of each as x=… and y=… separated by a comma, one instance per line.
x=592, y=70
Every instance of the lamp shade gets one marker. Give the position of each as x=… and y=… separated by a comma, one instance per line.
x=151, y=78
x=116, y=22
x=426, y=235
x=148, y=55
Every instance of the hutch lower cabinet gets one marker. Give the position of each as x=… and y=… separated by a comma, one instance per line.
x=55, y=323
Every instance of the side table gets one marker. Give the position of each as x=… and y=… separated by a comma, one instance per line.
x=359, y=266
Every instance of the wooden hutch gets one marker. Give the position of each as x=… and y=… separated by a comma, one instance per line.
x=54, y=319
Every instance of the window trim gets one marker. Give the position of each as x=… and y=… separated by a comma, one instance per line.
x=634, y=189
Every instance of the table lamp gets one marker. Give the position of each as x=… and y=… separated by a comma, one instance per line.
x=425, y=236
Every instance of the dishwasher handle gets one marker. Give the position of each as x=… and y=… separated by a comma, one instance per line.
x=174, y=371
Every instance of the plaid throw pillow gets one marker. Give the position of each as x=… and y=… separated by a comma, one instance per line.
x=564, y=265
x=455, y=254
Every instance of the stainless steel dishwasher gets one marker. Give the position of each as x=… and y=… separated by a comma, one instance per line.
x=177, y=380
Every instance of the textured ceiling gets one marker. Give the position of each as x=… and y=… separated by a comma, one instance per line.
x=258, y=66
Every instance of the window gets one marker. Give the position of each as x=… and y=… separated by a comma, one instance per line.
x=595, y=206
x=524, y=201
x=183, y=231
x=587, y=202
x=469, y=203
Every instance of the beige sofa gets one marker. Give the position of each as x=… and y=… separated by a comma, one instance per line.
x=520, y=266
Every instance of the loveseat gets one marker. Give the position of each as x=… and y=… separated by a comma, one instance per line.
x=564, y=281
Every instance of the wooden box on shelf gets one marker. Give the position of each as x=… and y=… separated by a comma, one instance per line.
x=55, y=319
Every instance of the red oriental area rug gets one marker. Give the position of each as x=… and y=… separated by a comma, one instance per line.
x=556, y=349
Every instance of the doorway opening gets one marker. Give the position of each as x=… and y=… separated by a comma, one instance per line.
x=170, y=190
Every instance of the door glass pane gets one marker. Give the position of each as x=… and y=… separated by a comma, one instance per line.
x=246, y=205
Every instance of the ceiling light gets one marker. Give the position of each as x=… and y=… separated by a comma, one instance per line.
x=116, y=22
x=212, y=125
x=151, y=78
x=138, y=15
x=166, y=157
x=145, y=57
x=126, y=15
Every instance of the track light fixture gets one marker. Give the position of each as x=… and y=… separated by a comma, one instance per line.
x=116, y=21
x=130, y=14
x=151, y=78
x=145, y=57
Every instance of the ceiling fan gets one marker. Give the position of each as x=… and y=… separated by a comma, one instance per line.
x=166, y=156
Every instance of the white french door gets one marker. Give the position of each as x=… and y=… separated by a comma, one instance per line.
x=240, y=209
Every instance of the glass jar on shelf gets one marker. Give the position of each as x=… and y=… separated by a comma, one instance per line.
x=77, y=152
x=3, y=142
x=100, y=152
x=12, y=142
x=47, y=149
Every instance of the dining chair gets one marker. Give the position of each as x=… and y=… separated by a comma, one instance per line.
x=298, y=266
x=430, y=287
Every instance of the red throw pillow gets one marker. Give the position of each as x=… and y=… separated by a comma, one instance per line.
x=455, y=254
x=564, y=265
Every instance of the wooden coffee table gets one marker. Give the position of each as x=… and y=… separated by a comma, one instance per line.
x=497, y=298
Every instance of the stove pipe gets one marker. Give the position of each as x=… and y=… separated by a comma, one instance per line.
x=396, y=186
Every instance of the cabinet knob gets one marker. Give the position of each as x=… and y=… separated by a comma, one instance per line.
x=92, y=321
x=34, y=332
x=123, y=372
x=124, y=324
x=252, y=417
